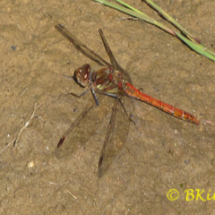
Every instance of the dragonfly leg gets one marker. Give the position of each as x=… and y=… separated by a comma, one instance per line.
x=68, y=76
x=130, y=116
x=82, y=94
x=94, y=95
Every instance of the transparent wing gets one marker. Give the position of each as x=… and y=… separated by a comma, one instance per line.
x=81, y=47
x=115, y=139
x=112, y=58
x=119, y=124
x=82, y=128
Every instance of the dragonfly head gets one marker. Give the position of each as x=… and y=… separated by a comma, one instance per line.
x=82, y=75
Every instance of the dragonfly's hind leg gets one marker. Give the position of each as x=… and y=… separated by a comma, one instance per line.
x=130, y=116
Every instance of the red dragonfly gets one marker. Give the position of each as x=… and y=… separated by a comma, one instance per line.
x=113, y=81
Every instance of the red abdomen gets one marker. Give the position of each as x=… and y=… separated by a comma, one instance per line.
x=131, y=91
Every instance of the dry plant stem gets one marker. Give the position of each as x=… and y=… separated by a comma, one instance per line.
x=15, y=140
x=71, y=194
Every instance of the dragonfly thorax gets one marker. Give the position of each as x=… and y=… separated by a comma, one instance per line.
x=83, y=75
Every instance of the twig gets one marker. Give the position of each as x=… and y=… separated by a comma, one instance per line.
x=15, y=140
x=71, y=194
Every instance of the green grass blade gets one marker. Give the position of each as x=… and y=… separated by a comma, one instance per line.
x=129, y=6
x=138, y=15
x=171, y=20
x=189, y=40
x=197, y=47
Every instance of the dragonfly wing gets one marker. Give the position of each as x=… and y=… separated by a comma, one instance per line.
x=113, y=60
x=81, y=47
x=82, y=128
x=115, y=139
x=118, y=127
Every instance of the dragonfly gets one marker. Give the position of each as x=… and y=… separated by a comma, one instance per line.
x=113, y=81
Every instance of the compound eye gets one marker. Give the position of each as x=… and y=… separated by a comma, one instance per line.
x=86, y=72
x=78, y=74
x=82, y=75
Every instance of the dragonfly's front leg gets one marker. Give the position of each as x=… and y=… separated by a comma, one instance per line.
x=82, y=94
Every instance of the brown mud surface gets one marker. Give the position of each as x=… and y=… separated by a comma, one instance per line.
x=161, y=152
